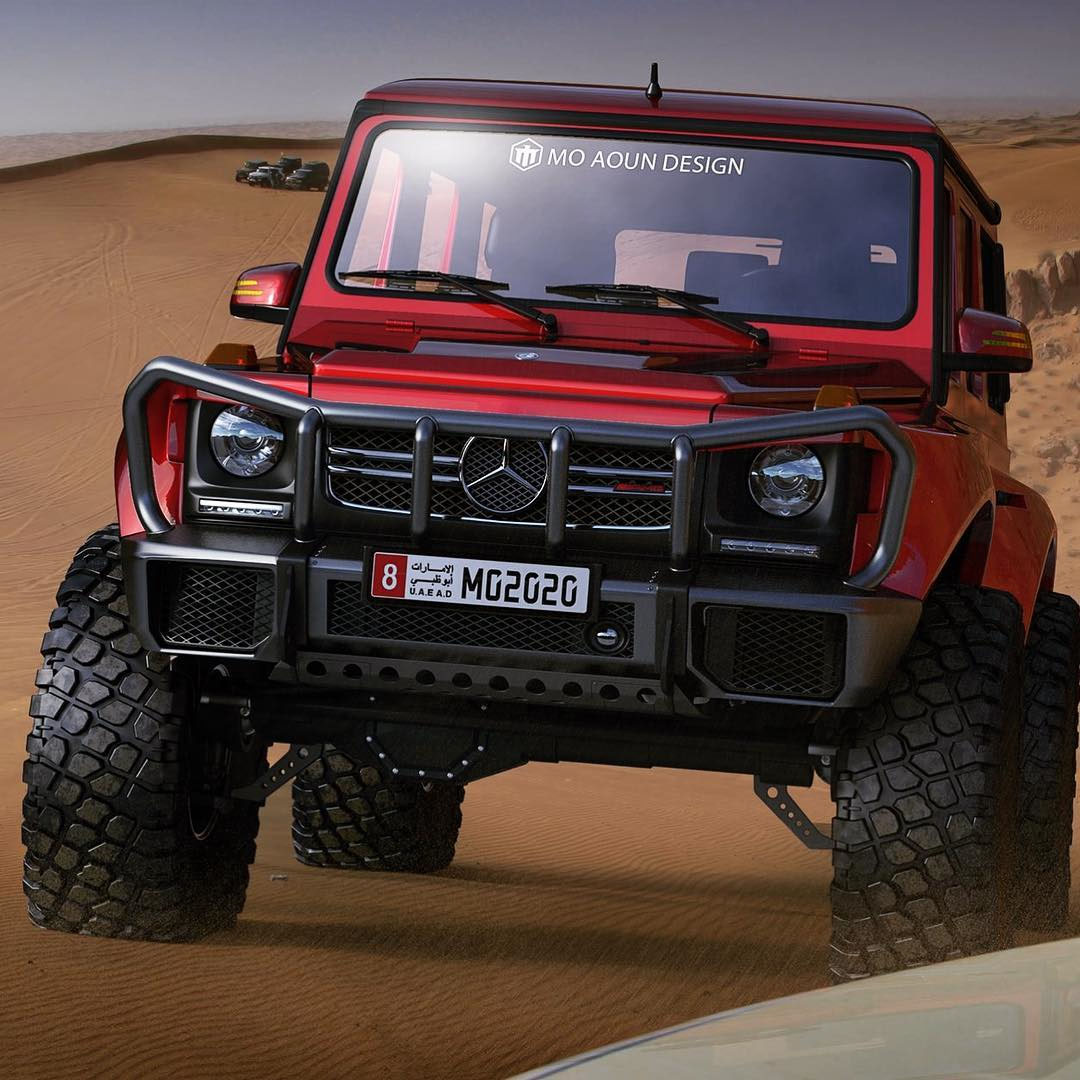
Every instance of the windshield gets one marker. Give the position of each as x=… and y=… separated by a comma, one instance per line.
x=792, y=234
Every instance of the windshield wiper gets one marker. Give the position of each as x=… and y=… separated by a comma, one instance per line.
x=692, y=302
x=477, y=286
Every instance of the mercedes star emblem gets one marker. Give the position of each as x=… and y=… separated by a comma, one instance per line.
x=503, y=476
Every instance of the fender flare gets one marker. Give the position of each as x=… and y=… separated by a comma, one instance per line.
x=1023, y=549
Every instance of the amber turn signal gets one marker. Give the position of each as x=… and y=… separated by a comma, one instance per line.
x=836, y=397
x=231, y=354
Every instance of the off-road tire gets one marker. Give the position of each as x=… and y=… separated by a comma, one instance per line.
x=107, y=819
x=1048, y=735
x=347, y=815
x=924, y=838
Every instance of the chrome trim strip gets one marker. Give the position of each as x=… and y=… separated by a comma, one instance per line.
x=596, y=470
x=386, y=474
x=390, y=455
x=596, y=489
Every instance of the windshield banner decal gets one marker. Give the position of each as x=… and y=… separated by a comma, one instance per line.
x=527, y=154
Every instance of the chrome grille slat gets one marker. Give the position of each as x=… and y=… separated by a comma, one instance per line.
x=391, y=474
x=637, y=474
x=382, y=455
x=598, y=489
x=389, y=455
x=371, y=470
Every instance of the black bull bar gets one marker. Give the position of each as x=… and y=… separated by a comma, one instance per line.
x=311, y=415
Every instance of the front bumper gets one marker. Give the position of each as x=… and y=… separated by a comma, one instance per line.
x=689, y=643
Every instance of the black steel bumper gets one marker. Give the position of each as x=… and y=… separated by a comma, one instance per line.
x=794, y=645
x=682, y=626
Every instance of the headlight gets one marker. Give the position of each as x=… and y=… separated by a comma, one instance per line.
x=786, y=481
x=245, y=441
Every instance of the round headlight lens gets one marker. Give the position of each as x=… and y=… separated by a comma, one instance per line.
x=787, y=481
x=245, y=441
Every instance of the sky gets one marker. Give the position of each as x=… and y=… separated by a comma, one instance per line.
x=100, y=65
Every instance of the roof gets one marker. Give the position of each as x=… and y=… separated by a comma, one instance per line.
x=707, y=105
x=701, y=104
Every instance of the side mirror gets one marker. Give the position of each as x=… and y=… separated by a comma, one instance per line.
x=265, y=293
x=990, y=343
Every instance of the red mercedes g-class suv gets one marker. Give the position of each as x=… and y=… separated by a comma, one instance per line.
x=651, y=429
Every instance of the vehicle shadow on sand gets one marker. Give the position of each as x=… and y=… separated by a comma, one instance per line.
x=481, y=941
x=807, y=897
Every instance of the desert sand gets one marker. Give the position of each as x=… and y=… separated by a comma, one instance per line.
x=586, y=904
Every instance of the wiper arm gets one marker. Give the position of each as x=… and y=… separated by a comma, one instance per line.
x=549, y=326
x=692, y=302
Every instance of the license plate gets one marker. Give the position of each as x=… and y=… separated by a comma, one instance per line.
x=480, y=583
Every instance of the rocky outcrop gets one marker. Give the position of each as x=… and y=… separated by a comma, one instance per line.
x=1052, y=288
x=1057, y=451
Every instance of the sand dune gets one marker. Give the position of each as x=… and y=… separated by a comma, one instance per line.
x=587, y=903
x=1024, y=131
x=1039, y=194
x=50, y=145
x=170, y=145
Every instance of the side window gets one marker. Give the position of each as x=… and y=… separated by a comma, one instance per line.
x=992, y=264
x=948, y=280
x=992, y=258
x=965, y=280
x=965, y=241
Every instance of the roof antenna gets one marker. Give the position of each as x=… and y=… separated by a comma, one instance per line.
x=653, y=91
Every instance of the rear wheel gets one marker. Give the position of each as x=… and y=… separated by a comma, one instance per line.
x=926, y=791
x=347, y=815
x=1048, y=735
x=123, y=835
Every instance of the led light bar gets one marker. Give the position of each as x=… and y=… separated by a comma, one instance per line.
x=776, y=548
x=242, y=508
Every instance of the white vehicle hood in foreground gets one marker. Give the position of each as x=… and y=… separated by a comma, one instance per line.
x=1010, y=1014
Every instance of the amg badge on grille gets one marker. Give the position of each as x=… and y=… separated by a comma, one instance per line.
x=503, y=476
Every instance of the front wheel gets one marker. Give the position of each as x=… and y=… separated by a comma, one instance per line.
x=1048, y=736
x=347, y=815
x=926, y=790
x=123, y=835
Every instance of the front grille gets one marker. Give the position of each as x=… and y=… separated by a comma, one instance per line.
x=773, y=652
x=215, y=607
x=610, y=487
x=604, y=512
x=351, y=614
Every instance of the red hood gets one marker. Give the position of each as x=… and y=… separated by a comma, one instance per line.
x=575, y=384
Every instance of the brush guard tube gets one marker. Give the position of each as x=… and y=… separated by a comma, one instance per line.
x=312, y=415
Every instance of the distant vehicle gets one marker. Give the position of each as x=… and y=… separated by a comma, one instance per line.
x=314, y=176
x=247, y=169
x=288, y=164
x=268, y=176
